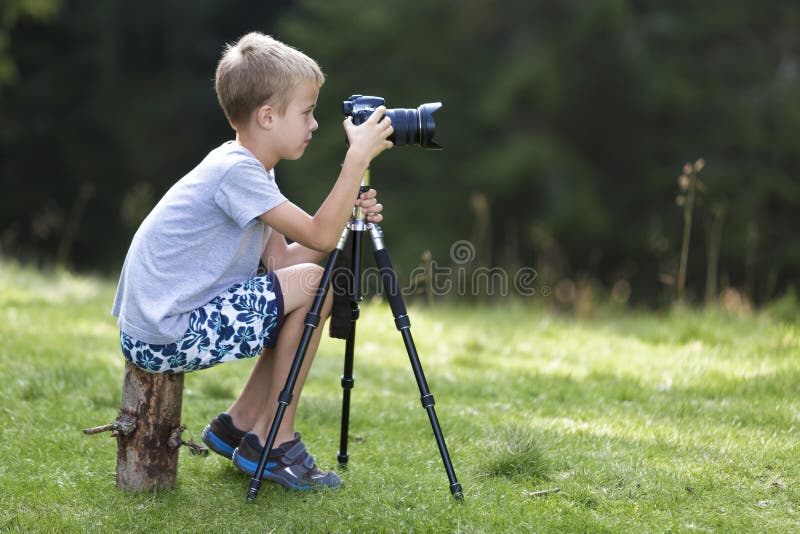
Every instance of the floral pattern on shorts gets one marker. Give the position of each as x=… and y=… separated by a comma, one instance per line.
x=235, y=325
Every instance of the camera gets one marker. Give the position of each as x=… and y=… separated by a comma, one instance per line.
x=411, y=126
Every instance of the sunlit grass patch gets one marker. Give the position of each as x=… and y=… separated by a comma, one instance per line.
x=682, y=421
x=515, y=452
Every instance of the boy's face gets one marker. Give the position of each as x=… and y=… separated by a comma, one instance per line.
x=295, y=126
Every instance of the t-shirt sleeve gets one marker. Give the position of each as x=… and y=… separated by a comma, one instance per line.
x=246, y=191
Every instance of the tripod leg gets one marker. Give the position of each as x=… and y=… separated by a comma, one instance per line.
x=285, y=398
x=347, y=376
x=389, y=278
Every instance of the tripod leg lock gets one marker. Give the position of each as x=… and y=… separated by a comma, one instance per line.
x=427, y=400
x=285, y=398
x=402, y=322
x=312, y=320
x=348, y=382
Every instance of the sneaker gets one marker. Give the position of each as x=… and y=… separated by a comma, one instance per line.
x=221, y=436
x=289, y=465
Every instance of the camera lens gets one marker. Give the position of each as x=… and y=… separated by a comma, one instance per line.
x=414, y=126
x=404, y=122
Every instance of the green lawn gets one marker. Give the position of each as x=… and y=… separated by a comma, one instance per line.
x=679, y=422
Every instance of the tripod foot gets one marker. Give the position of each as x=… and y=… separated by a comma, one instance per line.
x=455, y=489
x=252, y=491
x=343, y=460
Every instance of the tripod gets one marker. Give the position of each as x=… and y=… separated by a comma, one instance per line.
x=353, y=232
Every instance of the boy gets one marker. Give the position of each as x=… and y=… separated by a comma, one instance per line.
x=189, y=295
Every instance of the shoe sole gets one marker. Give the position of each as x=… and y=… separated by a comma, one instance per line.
x=215, y=443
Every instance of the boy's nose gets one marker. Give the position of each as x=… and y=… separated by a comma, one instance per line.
x=314, y=125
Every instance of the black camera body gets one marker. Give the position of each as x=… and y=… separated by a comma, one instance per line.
x=411, y=126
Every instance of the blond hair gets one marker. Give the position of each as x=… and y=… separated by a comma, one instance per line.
x=258, y=69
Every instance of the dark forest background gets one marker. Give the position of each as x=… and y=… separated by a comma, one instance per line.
x=567, y=126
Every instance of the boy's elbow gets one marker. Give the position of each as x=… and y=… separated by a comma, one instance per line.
x=320, y=246
x=323, y=243
x=324, y=237
x=330, y=244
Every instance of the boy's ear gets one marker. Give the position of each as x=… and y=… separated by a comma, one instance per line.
x=264, y=116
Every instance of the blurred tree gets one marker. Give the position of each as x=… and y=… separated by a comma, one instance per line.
x=573, y=117
x=11, y=12
x=569, y=119
x=115, y=98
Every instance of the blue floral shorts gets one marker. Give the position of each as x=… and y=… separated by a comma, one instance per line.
x=235, y=325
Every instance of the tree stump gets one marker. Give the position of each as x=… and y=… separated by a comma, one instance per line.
x=147, y=454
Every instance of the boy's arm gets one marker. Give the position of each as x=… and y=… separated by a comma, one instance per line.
x=321, y=232
x=279, y=254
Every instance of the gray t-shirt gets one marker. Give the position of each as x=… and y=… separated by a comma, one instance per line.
x=201, y=238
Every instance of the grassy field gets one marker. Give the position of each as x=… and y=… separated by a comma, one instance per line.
x=679, y=422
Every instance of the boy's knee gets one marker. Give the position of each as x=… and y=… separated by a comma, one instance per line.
x=311, y=277
x=299, y=284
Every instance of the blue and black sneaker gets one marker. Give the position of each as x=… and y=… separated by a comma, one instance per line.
x=289, y=465
x=221, y=436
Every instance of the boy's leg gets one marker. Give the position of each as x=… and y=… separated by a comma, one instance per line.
x=255, y=407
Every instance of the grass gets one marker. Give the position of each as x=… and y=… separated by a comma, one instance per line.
x=675, y=422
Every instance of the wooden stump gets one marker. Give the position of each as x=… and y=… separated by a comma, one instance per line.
x=147, y=454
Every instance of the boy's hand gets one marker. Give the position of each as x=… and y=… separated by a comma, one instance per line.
x=368, y=139
x=368, y=202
